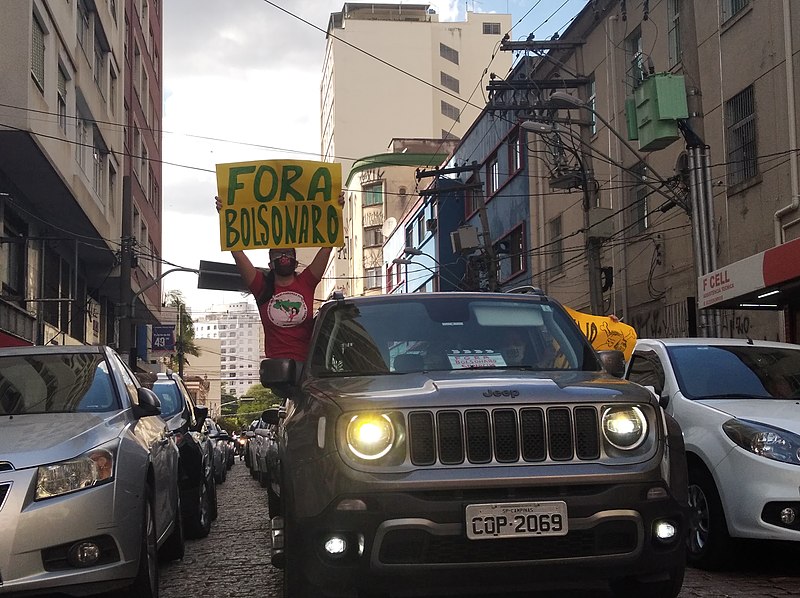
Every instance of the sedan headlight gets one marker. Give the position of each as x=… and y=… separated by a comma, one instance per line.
x=90, y=469
x=763, y=440
x=370, y=436
x=624, y=426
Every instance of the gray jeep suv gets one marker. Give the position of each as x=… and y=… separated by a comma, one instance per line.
x=469, y=442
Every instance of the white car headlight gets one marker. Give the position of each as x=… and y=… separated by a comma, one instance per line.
x=90, y=469
x=624, y=426
x=763, y=440
x=370, y=436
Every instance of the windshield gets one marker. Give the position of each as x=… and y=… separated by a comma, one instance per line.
x=170, y=396
x=448, y=332
x=737, y=371
x=55, y=383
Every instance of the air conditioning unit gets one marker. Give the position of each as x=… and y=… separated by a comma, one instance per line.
x=430, y=225
x=464, y=239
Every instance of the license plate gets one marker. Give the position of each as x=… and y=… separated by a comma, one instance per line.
x=517, y=520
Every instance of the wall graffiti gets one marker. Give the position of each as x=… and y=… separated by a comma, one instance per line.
x=668, y=321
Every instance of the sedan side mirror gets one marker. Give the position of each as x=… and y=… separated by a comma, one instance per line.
x=149, y=403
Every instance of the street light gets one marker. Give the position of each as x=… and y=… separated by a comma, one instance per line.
x=407, y=262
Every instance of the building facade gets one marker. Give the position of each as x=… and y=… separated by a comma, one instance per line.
x=420, y=85
x=238, y=328
x=63, y=158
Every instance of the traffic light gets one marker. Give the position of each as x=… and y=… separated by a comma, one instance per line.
x=606, y=278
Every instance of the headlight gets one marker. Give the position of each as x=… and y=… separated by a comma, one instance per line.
x=624, y=426
x=93, y=468
x=370, y=436
x=763, y=440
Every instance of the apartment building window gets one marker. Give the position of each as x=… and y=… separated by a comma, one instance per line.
x=390, y=277
x=409, y=236
x=373, y=278
x=492, y=175
x=741, y=137
x=144, y=95
x=555, y=247
x=99, y=154
x=137, y=67
x=37, y=52
x=13, y=265
x=491, y=28
x=420, y=223
x=99, y=69
x=638, y=208
x=112, y=188
x=143, y=168
x=373, y=236
x=112, y=91
x=635, y=58
x=449, y=81
x=448, y=53
x=450, y=111
x=84, y=27
x=448, y=135
x=514, y=154
x=82, y=142
x=112, y=8
x=512, y=255
x=592, y=103
x=373, y=195
x=62, y=100
x=730, y=8
x=674, y=31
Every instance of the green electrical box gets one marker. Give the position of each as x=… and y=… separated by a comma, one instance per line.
x=660, y=101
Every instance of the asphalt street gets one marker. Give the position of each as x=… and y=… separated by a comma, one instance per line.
x=233, y=561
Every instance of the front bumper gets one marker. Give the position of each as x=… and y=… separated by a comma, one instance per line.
x=751, y=509
x=404, y=541
x=36, y=535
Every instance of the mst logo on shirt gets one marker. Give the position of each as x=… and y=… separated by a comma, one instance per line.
x=287, y=309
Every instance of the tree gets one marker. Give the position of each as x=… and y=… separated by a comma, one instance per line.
x=184, y=342
x=254, y=402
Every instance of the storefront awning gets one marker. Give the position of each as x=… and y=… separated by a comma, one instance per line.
x=761, y=281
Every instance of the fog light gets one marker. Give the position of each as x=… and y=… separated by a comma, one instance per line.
x=336, y=545
x=360, y=544
x=83, y=554
x=665, y=530
x=788, y=516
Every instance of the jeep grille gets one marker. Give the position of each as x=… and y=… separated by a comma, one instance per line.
x=505, y=435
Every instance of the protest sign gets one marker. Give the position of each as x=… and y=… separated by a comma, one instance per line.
x=605, y=332
x=279, y=203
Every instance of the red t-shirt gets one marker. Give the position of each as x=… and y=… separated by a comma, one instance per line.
x=287, y=315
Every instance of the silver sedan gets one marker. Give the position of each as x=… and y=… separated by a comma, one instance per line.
x=88, y=475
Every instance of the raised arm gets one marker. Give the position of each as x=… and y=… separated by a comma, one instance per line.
x=320, y=261
x=246, y=269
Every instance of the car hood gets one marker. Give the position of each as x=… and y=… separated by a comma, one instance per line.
x=39, y=439
x=781, y=413
x=471, y=387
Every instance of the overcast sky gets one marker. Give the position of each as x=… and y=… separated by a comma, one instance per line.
x=241, y=82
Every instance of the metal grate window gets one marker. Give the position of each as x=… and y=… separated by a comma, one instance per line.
x=37, y=52
x=62, y=100
x=448, y=53
x=730, y=8
x=674, y=31
x=491, y=28
x=741, y=137
x=450, y=111
x=449, y=81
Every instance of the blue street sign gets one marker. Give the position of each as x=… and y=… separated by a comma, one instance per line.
x=163, y=338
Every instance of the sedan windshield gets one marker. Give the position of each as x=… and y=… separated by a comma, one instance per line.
x=448, y=332
x=751, y=371
x=55, y=383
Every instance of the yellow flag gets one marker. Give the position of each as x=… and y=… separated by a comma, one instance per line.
x=605, y=332
x=279, y=203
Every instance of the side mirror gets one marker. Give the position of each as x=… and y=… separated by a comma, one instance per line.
x=149, y=403
x=613, y=362
x=278, y=375
x=271, y=416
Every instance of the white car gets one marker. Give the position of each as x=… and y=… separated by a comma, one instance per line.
x=738, y=403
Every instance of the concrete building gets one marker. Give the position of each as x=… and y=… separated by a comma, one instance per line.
x=203, y=376
x=420, y=85
x=238, y=328
x=379, y=191
x=64, y=154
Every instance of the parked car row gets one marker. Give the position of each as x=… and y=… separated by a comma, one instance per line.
x=262, y=458
x=100, y=476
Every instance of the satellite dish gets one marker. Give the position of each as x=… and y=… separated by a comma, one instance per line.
x=388, y=226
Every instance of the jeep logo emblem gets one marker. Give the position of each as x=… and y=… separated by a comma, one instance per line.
x=501, y=393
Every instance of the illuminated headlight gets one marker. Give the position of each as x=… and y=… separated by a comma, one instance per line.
x=93, y=468
x=370, y=436
x=765, y=441
x=624, y=426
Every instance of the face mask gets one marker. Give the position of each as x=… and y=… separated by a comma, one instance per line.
x=284, y=266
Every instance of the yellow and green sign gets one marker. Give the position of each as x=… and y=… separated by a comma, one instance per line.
x=279, y=203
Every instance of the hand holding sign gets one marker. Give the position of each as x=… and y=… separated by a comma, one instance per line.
x=279, y=203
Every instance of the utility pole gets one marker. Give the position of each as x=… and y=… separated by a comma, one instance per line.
x=477, y=187
x=180, y=340
x=125, y=291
